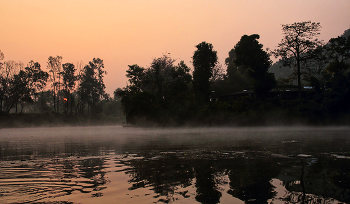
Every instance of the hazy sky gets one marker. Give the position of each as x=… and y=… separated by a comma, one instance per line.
x=128, y=32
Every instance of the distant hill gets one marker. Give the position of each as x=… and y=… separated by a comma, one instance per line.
x=280, y=71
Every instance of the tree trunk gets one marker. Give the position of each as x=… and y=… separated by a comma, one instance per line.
x=299, y=81
x=54, y=99
x=22, y=106
x=58, y=93
x=42, y=101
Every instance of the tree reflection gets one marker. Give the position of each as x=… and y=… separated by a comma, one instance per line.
x=92, y=168
x=207, y=191
x=250, y=179
x=250, y=176
x=163, y=173
x=318, y=180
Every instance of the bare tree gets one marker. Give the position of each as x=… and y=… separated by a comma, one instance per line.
x=54, y=67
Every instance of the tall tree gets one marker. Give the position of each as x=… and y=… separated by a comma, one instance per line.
x=54, y=67
x=232, y=68
x=76, y=99
x=338, y=51
x=92, y=87
x=204, y=60
x=236, y=76
x=34, y=81
x=135, y=74
x=69, y=78
x=1, y=79
x=250, y=54
x=299, y=40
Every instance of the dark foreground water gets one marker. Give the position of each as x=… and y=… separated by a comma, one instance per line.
x=193, y=165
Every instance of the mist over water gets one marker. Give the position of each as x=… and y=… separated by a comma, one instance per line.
x=106, y=164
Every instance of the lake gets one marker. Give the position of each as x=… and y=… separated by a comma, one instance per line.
x=113, y=164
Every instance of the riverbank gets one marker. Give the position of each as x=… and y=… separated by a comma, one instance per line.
x=55, y=120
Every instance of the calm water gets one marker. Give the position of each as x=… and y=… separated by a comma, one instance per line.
x=192, y=165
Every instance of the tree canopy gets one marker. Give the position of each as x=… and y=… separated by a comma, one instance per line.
x=249, y=53
x=204, y=61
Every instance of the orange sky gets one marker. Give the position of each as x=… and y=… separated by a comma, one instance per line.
x=135, y=31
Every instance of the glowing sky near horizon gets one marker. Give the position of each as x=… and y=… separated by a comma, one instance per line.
x=130, y=32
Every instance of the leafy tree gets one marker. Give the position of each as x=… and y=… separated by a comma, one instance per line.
x=19, y=90
x=230, y=63
x=204, y=61
x=157, y=92
x=24, y=86
x=236, y=76
x=91, y=88
x=37, y=78
x=7, y=75
x=337, y=76
x=338, y=51
x=250, y=54
x=30, y=82
x=165, y=79
x=69, y=79
x=299, y=40
x=135, y=74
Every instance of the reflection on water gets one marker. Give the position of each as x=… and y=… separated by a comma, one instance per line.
x=203, y=165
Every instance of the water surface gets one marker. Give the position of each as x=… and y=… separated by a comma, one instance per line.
x=192, y=165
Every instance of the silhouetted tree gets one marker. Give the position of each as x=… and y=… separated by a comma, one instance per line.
x=337, y=76
x=91, y=88
x=135, y=74
x=155, y=94
x=37, y=77
x=166, y=80
x=250, y=54
x=299, y=39
x=24, y=86
x=54, y=67
x=204, y=60
x=33, y=80
x=69, y=79
x=236, y=76
x=1, y=79
x=7, y=76
x=338, y=51
x=207, y=190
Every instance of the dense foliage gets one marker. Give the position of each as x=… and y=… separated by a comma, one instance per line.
x=247, y=94
x=157, y=94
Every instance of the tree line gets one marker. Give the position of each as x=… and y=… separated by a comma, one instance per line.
x=166, y=93
x=60, y=89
